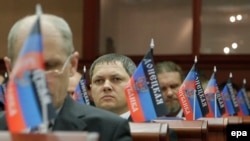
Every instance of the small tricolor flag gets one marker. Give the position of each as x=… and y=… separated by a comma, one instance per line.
x=229, y=97
x=27, y=91
x=2, y=99
x=214, y=98
x=80, y=94
x=3, y=91
x=243, y=100
x=143, y=92
x=191, y=96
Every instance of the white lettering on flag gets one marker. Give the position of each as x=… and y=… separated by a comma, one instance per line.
x=153, y=81
x=11, y=100
x=132, y=99
x=184, y=101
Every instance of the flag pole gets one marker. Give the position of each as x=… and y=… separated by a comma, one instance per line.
x=84, y=78
x=44, y=127
x=215, y=100
x=230, y=77
x=194, y=109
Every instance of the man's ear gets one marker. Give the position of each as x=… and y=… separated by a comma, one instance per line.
x=74, y=63
x=7, y=63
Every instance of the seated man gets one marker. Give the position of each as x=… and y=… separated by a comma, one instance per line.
x=109, y=74
x=170, y=78
x=58, y=48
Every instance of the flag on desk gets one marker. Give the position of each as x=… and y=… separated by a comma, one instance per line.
x=191, y=96
x=27, y=90
x=143, y=92
x=229, y=98
x=80, y=94
x=3, y=91
x=243, y=100
x=214, y=98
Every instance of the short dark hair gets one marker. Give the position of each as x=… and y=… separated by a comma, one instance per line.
x=127, y=63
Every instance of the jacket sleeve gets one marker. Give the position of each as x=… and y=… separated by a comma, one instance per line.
x=3, y=124
x=122, y=132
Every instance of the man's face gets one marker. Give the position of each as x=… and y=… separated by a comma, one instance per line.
x=107, y=87
x=55, y=58
x=57, y=78
x=170, y=83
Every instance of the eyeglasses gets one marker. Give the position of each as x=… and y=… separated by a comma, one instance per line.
x=57, y=72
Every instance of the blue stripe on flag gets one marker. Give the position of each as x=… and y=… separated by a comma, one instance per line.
x=78, y=95
x=35, y=43
x=242, y=102
x=228, y=101
x=28, y=101
x=144, y=94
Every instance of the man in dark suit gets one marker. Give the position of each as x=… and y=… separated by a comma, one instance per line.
x=60, y=63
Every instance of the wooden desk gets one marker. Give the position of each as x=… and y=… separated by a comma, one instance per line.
x=187, y=130
x=216, y=128
x=149, y=131
x=246, y=120
x=234, y=120
x=55, y=136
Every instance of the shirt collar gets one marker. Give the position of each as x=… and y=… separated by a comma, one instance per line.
x=180, y=114
x=125, y=115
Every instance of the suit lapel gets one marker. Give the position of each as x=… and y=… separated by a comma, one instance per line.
x=130, y=119
x=70, y=117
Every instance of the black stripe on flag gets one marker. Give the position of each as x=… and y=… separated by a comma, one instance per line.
x=201, y=96
x=153, y=84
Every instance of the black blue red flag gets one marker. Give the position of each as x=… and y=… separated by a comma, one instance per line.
x=81, y=94
x=27, y=91
x=229, y=97
x=243, y=100
x=214, y=97
x=191, y=96
x=3, y=91
x=143, y=92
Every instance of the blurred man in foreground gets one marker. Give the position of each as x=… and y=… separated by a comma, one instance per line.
x=60, y=63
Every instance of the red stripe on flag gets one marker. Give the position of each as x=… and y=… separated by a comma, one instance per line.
x=185, y=104
x=210, y=90
x=13, y=109
x=133, y=101
x=240, y=112
x=28, y=62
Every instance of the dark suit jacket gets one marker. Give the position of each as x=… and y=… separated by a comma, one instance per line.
x=77, y=117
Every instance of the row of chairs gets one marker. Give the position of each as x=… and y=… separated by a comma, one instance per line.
x=204, y=129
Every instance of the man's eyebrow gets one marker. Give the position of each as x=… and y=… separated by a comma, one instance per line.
x=97, y=76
